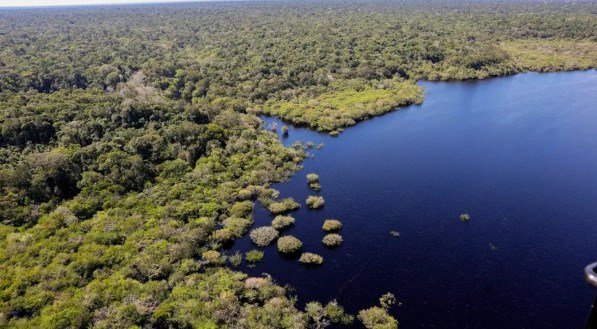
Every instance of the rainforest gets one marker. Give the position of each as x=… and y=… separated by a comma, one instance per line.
x=137, y=150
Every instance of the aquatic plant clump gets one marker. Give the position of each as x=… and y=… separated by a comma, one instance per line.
x=377, y=318
x=314, y=202
x=282, y=222
x=312, y=178
x=289, y=244
x=263, y=236
x=283, y=206
x=332, y=240
x=330, y=225
x=465, y=217
x=254, y=256
x=311, y=259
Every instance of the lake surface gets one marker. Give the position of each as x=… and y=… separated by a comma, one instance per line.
x=519, y=154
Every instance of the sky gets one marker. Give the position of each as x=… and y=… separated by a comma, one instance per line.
x=28, y=3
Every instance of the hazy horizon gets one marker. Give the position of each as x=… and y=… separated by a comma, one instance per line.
x=48, y=3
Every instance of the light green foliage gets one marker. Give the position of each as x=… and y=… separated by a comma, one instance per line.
x=321, y=316
x=377, y=318
x=254, y=256
x=223, y=235
x=330, y=225
x=312, y=178
x=345, y=102
x=237, y=226
x=311, y=259
x=314, y=202
x=289, y=244
x=465, y=217
x=282, y=222
x=264, y=235
x=235, y=259
x=241, y=209
x=332, y=240
x=212, y=257
x=283, y=206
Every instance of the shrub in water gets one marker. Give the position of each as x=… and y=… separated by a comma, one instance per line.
x=310, y=258
x=330, y=225
x=465, y=217
x=315, y=186
x=254, y=256
x=285, y=130
x=235, y=259
x=377, y=318
x=314, y=202
x=289, y=244
x=312, y=178
x=281, y=222
x=332, y=240
x=283, y=206
x=263, y=236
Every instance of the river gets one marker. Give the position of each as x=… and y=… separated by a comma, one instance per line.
x=518, y=153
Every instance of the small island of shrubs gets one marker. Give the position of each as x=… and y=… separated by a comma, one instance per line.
x=283, y=206
x=314, y=202
x=332, y=240
x=289, y=244
x=313, y=180
x=282, y=222
x=311, y=259
x=254, y=256
x=263, y=236
x=330, y=225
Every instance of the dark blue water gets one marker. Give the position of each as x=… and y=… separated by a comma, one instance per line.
x=519, y=154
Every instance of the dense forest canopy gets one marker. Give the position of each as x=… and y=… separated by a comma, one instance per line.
x=131, y=149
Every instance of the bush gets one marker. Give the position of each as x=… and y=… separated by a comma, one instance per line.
x=330, y=225
x=223, y=235
x=315, y=186
x=238, y=226
x=310, y=258
x=465, y=217
x=314, y=202
x=312, y=178
x=264, y=235
x=285, y=130
x=254, y=256
x=281, y=222
x=377, y=318
x=332, y=240
x=241, y=209
x=235, y=259
x=212, y=257
x=289, y=244
x=283, y=206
